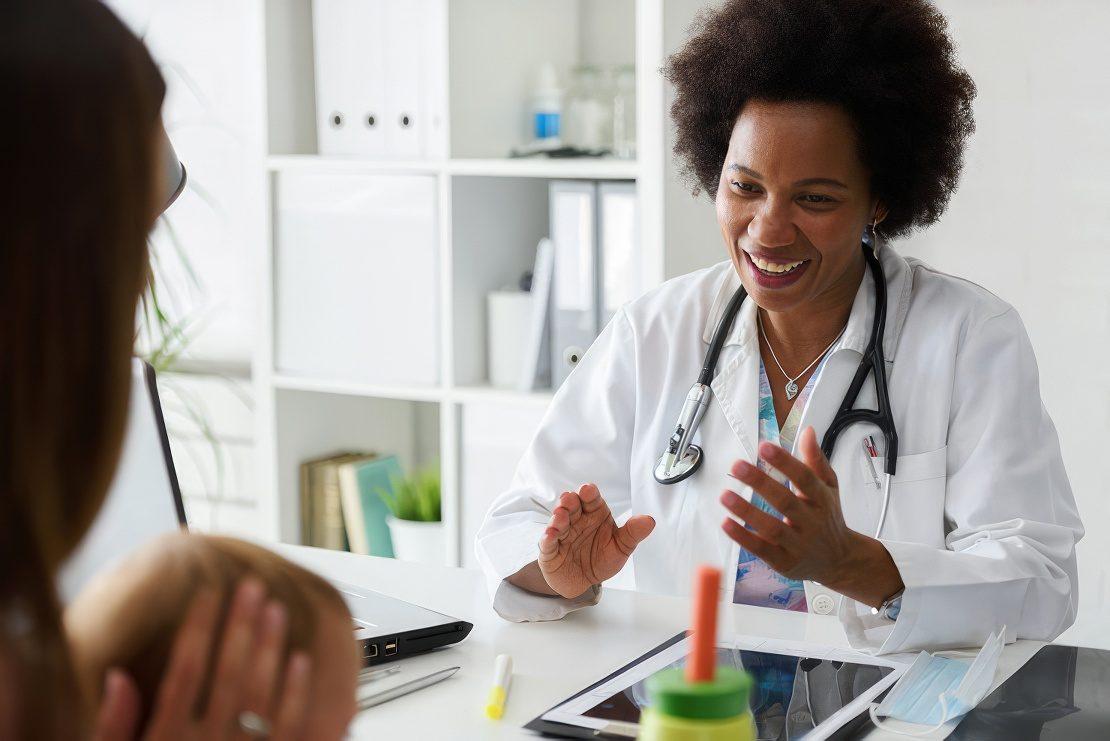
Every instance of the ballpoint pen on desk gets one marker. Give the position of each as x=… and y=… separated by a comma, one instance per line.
x=403, y=689
x=499, y=692
x=369, y=675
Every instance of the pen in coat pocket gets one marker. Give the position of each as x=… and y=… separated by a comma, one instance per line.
x=870, y=452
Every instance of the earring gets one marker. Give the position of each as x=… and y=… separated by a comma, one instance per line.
x=871, y=229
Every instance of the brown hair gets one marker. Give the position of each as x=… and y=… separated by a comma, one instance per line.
x=82, y=107
x=165, y=576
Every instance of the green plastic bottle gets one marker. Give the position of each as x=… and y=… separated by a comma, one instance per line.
x=715, y=710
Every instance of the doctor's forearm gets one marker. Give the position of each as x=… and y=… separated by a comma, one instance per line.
x=870, y=575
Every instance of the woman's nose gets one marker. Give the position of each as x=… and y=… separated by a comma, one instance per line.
x=771, y=227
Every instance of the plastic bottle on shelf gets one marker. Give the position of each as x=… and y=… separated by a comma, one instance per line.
x=703, y=701
x=547, y=107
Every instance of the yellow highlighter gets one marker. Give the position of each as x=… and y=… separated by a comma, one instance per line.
x=499, y=692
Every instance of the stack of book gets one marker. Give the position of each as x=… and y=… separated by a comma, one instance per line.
x=341, y=507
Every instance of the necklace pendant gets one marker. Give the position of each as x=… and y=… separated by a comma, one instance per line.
x=791, y=390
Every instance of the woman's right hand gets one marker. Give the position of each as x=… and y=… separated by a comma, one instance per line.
x=583, y=546
x=247, y=676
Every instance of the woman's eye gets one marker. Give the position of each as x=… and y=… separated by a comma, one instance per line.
x=746, y=187
x=813, y=198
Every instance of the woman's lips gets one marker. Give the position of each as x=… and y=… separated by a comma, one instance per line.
x=768, y=279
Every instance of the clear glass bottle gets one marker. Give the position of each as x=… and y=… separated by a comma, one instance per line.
x=624, y=112
x=587, y=110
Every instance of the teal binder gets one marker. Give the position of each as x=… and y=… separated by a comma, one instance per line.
x=364, y=512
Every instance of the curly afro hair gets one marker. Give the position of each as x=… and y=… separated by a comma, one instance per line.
x=889, y=63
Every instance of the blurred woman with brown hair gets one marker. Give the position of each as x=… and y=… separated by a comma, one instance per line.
x=79, y=165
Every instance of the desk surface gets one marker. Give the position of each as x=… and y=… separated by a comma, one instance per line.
x=552, y=660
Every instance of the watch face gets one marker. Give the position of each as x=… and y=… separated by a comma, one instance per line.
x=891, y=611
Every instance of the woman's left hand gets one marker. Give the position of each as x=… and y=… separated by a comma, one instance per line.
x=812, y=540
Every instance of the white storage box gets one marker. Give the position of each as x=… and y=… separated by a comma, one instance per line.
x=356, y=284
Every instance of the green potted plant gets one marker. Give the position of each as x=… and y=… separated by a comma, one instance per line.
x=415, y=520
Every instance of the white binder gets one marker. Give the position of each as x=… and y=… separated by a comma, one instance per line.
x=350, y=76
x=536, y=370
x=381, y=77
x=622, y=277
x=404, y=47
x=574, y=300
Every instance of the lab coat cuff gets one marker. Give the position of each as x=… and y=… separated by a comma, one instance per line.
x=875, y=633
x=916, y=562
x=521, y=606
x=504, y=552
x=944, y=615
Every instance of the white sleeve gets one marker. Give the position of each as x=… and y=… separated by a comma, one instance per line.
x=585, y=437
x=1010, y=517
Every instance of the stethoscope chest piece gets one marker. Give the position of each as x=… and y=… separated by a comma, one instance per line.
x=682, y=468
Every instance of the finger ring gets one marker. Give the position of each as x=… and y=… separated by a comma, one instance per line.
x=253, y=724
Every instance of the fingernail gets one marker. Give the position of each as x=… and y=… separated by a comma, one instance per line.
x=299, y=664
x=729, y=498
x=275, y=616
x=251, y=593
x=113, y=682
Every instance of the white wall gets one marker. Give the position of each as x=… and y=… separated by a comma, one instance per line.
x=205, y=52
x=693, y=240
x=1030, y=221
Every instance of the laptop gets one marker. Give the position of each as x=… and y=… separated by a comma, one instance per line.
x=144, y=501
x=387, y=628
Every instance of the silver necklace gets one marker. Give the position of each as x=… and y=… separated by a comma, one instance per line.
x=792, y=383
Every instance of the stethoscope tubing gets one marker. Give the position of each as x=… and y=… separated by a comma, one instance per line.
x=681, y=450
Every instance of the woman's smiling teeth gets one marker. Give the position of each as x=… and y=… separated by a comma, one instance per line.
x=774, y=267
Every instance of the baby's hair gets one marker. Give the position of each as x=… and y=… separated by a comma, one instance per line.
x=191, y=562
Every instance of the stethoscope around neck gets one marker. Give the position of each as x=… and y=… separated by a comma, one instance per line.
x=682, y=458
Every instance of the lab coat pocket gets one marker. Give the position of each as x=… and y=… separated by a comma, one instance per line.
x=916, y=509
x=699, y=535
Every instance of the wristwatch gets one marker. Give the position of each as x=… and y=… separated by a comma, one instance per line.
x=891, y=606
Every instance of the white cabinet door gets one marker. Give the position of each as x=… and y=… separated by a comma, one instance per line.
x=356, y=278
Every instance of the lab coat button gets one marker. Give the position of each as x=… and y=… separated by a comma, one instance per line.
x=823, y=604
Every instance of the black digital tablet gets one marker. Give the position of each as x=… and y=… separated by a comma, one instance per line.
x=1063, y=692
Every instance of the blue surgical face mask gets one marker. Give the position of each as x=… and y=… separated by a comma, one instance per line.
x=936, y=689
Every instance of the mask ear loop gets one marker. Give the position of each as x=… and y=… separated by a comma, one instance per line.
x=928, y=731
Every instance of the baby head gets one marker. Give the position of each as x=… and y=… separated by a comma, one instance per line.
x=129, y=616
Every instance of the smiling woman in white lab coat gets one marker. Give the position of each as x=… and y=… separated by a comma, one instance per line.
x=816, y=126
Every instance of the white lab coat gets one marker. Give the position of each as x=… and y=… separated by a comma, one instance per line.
x=982, y=523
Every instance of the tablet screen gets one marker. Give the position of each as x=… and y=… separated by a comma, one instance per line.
x=790, y=695
x=797, y=688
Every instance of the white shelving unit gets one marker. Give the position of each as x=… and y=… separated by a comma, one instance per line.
x=491, y=211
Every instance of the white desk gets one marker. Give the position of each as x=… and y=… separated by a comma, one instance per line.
x=551, y=661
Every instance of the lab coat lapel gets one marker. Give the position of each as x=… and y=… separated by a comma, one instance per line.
x=736, y=385
x=736, y=394
x=841, y=365
x=840, y=368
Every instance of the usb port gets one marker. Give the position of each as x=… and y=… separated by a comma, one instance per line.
x=390, y=647
x=370, y=650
